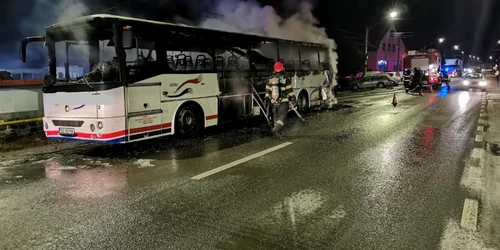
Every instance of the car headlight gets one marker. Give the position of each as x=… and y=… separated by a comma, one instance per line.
x=466, y=82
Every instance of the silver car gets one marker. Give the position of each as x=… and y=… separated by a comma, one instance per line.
x=474, y=80
x=373, y=81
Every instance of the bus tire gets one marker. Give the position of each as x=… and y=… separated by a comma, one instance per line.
x=189, y=122
x=302, y=101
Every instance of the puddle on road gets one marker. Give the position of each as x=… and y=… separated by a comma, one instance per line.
x=38, y=168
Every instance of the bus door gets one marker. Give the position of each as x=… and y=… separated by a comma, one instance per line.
x=144, y=114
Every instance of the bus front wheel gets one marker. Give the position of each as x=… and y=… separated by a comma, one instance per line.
x=188, y=121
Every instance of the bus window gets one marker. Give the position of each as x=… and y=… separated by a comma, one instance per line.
x=170, y=61
x=232, y=63
x=188, y=58
x=219, y=62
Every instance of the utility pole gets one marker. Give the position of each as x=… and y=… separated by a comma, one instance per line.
x=366, y=50
x=399, y=56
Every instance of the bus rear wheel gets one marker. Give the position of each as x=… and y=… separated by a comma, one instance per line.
x=188, y=122
x=302, y=101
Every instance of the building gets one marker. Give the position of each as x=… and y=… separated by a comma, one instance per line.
x=33, y=74
x=388, y=55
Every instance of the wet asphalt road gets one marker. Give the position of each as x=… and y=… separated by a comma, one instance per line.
x=366, y=176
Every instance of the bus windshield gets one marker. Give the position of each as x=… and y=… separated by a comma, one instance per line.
x=81, y=56
x=73, y=58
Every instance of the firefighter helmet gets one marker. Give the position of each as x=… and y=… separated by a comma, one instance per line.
x=278, y=67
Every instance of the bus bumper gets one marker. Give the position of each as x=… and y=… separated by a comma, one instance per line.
x=107, y=130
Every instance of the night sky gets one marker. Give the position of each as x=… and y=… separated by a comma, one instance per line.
x=472, y=24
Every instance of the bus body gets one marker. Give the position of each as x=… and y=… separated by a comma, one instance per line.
x=144, y=86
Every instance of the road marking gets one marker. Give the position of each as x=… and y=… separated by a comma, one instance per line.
x=240, y=161
x=469, y=214
x=477, y=153
x=482, y=121
x=479, y=138
x=482, y=115
x=480, y=128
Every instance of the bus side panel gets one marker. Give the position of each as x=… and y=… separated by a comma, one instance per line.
x=312, y=84
x=209, y=107
x=144, y=112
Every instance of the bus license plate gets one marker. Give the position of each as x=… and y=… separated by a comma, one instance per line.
x=66, y=131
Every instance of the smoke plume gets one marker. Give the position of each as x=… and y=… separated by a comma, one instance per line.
x=252, y=18
x=229, y=15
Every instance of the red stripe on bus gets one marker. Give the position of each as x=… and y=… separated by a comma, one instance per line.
x=149, y=128
x=211, y=117
x=114, y=134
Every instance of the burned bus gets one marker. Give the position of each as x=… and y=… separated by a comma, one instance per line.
x=150, y=79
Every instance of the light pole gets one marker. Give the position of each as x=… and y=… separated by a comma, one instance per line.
x=392, y=15
x=441, y=41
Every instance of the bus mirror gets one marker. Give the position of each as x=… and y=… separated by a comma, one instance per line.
x=127, y=39
x=24, y=44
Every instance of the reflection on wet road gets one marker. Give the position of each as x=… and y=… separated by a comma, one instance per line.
x=366, y=176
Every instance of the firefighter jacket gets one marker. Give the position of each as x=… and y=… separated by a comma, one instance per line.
x=279, y=89
x=406, y=78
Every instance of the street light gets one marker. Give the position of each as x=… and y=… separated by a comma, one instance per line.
x=455, y=47
x=441, y=40
x=393, y=14
x=499, y=41
x=491, y=58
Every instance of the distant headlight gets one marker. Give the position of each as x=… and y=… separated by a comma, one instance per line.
x=483, y=83
x=466, y=82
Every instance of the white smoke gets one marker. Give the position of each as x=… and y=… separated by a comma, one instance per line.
x=252, y=18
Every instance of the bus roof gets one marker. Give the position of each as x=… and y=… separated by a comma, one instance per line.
x=103, y=19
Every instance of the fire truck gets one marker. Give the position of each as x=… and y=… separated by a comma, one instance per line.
x=428, y=61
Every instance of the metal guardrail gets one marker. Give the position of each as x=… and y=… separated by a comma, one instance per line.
x=16, y=122
x=13, y=83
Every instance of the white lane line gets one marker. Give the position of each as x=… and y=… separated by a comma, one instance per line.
x=479, y=138
x=482, y=115
x=240, y=161
x=477, y=153
x=469, y=214
x=482, y=121
x=480, y=128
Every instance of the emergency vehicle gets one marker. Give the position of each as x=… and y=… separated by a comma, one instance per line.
x=429, y=61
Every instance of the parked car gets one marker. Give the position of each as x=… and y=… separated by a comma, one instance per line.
x=394, y=76
x=373, y=81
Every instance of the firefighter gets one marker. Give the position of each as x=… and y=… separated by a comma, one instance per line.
x=279, y=95
x=445, y=78
x=407, y=79
x=417, y=80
